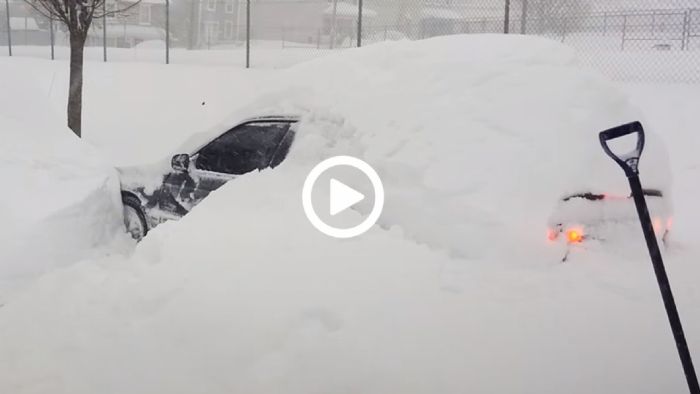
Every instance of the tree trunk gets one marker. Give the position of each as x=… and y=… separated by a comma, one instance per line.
x=75, y=88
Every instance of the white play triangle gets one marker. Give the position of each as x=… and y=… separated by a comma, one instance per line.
x=343, y=197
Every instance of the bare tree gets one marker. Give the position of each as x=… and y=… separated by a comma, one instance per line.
x=77, y=16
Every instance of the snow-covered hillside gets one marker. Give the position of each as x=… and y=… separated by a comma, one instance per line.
x=455, y=291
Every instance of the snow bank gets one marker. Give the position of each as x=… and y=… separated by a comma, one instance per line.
x=455, y=292
x=475, y=137
x=234, y=299
x=59, y=200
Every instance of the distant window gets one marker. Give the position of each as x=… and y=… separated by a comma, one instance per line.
x=228, y=30
x=211, y=5
x=229, y=6
x=145, y=14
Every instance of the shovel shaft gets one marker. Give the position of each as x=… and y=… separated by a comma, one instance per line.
x=664, y=285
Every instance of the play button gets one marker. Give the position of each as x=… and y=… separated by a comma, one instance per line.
x=343, y=197
x=337, y=198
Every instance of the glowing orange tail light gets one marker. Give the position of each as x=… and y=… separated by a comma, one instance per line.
x=574, y=235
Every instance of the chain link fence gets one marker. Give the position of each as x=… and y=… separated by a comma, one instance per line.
x=632, y=40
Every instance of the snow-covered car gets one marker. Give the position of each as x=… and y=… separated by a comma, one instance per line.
x=170, y=189
x=594, y=213
x=590, y=215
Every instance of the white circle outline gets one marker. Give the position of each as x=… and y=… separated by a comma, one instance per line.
x=343, y=233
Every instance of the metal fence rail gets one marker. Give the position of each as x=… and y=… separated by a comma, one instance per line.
x=642, y=40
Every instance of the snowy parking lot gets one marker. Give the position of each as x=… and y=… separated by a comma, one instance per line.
x=456, y=289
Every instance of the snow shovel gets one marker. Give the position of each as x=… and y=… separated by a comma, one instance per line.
x=630, y=163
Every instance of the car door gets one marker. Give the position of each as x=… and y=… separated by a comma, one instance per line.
x=252, y=146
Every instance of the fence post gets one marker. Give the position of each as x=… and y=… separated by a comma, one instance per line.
x=9, y=28
x=564, y=28
x=359, y=23
x=523, y=18
x=247, y=34
x=167, y=31
x=51, y=38
x=624, y=32
x=685, y=43
x=104, y=31
x=506, y=18
x=318, y=38
x=333, y=24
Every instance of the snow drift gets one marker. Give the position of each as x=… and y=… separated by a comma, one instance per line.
x=476, y=138
x=60, y=200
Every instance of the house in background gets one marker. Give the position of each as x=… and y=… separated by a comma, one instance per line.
x=141, y=21
x=307, y=23
x=218, y=22
x=27, y=26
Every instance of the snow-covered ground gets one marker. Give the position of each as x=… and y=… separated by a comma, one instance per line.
x=456, y=291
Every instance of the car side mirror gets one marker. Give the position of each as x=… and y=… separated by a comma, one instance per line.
x=180, y=162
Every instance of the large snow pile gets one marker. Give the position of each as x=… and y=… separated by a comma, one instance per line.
x=59, y=199
x=476, y=138
x=455, y=292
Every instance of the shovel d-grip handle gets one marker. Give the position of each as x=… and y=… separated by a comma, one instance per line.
x=629, y=161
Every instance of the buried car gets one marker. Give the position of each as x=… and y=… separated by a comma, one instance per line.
x=253, y=144
x=592, y=214
x=484, y=153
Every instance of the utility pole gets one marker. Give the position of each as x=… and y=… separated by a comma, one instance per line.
x=333, y=20
x=523, y=18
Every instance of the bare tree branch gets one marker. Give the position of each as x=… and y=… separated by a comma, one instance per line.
x=77, y=15
x=117, y=12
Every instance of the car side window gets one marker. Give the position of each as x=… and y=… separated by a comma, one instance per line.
x=246, y=148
